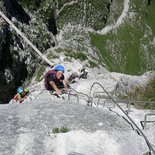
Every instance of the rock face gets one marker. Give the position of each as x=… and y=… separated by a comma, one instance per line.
x=27, y=129
x=12, y=70
x=14, y=9
x=17, y=62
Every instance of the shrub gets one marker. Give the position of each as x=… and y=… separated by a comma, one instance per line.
x=77, y=55
x=60, y=130
x=93, y=64
x=145, y=94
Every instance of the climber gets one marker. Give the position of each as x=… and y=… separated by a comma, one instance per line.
x=73, y=78
x=22, y=94
x=84, y=73
x=55, y=80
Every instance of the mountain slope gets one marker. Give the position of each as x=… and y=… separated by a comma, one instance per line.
x=72, y=29
x=130, y=47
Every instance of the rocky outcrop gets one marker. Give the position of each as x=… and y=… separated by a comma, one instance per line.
x=13, y=68
x=17, y=59
x=27, y=129
x=12, y=71
x=14, y=9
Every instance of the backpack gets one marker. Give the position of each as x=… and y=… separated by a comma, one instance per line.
x=72, y=77
x=16, y=97
x=83, y=73
x=46, y=78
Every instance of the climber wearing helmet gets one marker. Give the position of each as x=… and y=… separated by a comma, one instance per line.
x=55, y=80
x=22, y=94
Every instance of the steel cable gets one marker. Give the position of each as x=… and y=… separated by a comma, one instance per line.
x=140, y=131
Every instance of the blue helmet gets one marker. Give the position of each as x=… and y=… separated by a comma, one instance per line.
x=20, y=90
x=59, y=68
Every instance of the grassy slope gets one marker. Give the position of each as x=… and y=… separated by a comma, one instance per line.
x=151, y=16
x=144, y=94
x=122, y=50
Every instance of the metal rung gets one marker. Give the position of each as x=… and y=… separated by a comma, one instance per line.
x=145, y=119
x=75, y=95
x=104, y=103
